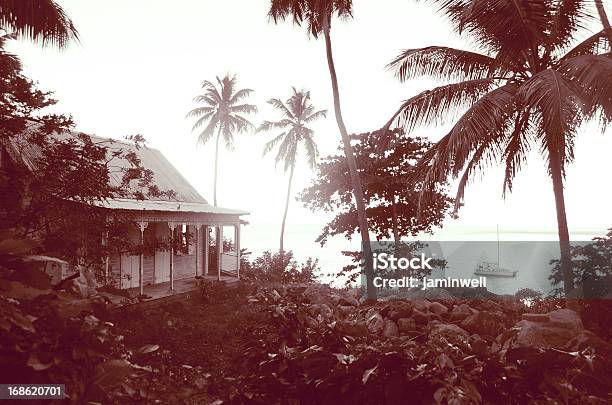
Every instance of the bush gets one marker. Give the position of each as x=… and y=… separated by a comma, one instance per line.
x=279, y=268
x=51, y=336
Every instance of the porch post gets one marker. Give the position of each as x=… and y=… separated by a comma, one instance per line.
x=219, y=251
x=237, y=243
x=172, y=226
x=206, y=245
x=197, y=250
x=142, y=225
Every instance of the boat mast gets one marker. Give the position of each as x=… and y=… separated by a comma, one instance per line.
x=498, y=267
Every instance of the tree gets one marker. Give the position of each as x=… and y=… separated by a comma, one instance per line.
x=297, y=113
x=528, y=89
x=391, y=206
x=37, y=20
x=50, y=182
x=317, y=15
x=222, y=111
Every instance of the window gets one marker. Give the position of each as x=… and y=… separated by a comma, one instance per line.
x=183, y=240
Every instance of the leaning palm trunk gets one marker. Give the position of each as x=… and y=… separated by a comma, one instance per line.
x=604, y=18
x=282, y=235
x=564, y=242
x=352, y=166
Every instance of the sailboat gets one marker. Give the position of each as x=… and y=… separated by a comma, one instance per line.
x=490, y=269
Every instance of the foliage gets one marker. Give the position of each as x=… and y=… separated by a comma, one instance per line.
x=279, y=268
x=51, y=178
x=592, y=269
x=50, y=335
x=297, y=112
x=222, y=110
x=315, y=14
x=528, y=89
x=37, y=20
x=320, y=359
x=391, y=204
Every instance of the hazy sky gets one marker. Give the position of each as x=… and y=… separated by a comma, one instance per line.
x=140, y=62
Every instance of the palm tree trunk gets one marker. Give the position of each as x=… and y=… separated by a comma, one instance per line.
x=216, y=166
x=564, y=243
x=394, y=221
x=604, y=19
x=356, y=182
x=282, y=235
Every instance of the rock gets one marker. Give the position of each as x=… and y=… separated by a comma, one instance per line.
x=566, y=318
x=450, y=332
x=563, y=326
x=485, y=323
x=406, y=324
x=535, y=317
x=398, y=309
x=437, y=308
x=420, y=318
x=421, y=304
x=460, y=312
x=390, y=329
x=374, y=321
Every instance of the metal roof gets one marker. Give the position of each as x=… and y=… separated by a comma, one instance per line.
x=166, y=206
x=165, y=177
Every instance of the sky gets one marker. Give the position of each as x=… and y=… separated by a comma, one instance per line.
x=139, y=64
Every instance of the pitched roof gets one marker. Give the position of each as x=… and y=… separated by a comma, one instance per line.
x=165, y=177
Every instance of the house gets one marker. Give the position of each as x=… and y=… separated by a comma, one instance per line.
x=204, y=239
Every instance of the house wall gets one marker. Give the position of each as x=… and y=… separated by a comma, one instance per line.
x=124, y=270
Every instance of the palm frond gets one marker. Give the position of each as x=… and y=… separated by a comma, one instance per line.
x=441, y=62
x=315, y=116
x=556, y=106
x=279, y=105
x=244, y=108
x=268, y=125
x=204, y=117
x=271, y=144
x=199, y=111
x=38, y=20
x=594, y=44
x=208, y=132
x=487, y=119
x=592, y=74
x=240, y=95
x=433, y=107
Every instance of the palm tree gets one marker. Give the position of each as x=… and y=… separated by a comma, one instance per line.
x=37, y=20
x=527, y=90
x=222, y=112
x=317, y=15
x=297, y=113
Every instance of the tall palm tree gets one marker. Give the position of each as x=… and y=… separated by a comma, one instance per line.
x=527, y=90
x=37, y=20
x=221, y=112
x=297, y=113
x=317, y=15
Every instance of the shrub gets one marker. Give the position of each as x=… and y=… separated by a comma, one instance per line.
x=279, y=268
